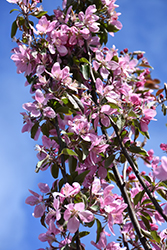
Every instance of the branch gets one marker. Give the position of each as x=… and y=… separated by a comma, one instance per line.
x=136, y=171
x=130, y=209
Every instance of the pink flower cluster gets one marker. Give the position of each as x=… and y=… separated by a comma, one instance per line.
x=89, y=103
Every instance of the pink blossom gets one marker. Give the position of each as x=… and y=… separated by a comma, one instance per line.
x=163, y=146
x=103, y=59
x=44, y=188
x=115, y=213
x=160, y=172
x=59, y=39
x=36, y=200
x=102, y=172
x=68, y=191
x=49, y=236
x=89, y=19
x=39, y=105
x=107, y=91
x=44, y=26
x=96, y=186
x=102, y=241
x=148, y=115
x=24, y=60
x=28, y=124
x=71, y=216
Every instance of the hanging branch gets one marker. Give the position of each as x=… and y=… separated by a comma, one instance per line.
x=136, y=171
x=130, y=209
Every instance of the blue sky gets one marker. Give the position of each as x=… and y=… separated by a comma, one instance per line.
x=144, y=28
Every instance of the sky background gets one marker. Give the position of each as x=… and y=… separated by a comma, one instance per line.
x=144, y=28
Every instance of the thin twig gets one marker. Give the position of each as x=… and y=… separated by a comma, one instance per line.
x=130, y=209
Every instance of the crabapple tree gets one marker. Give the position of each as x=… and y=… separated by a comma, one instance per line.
x=90, y=105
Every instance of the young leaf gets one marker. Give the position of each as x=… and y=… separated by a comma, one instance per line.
x=120, y=122
x=84, y=60
x=13, y=10
x=41, y=163
x=72, y=162
x=67, y=151
x=40, y=14
x=80, y=178
x=138, y=197
x=85, y=69
x=155, y=236
x=137, y=150
x=109, y=160
x=84, y=233
x=99, y=230
x=14, y=29
x=55, y=170
x=34, y=130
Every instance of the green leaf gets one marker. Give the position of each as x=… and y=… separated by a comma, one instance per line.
x=14, y=29
x=72, y=162
x=146, y=215
x=45, y=127
x=138, y=150
x=109, y=160
x=163, y=109
x=95, y=208
x=73, y=101
x=99, y=230
x=61, y=182
x=146, y=222
x=147, y=178
x=13, y=10
x=80, y=178
x=146, y=201
x=64, y=99
x=84, y=60
x=34, y=130
x=40, y=14
x=155, y=236
x=111, y=176
x=146, y=233
x=41, y=163
x=42, y=220
x=162, y=193
x=64, y=110
x=83, y=234
x=132, y=114
x=114, y=106
x=138, y=197
x=90, y=224
x=78, y=101
x=85, y=69
x=163, y=183
x=55, y=170
x=110, y=27
x=120, y=122
x=67, y=151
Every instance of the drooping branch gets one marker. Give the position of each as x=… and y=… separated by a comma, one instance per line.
x=136, y=171
x=130, y=209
